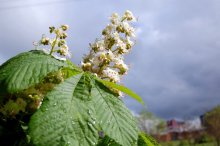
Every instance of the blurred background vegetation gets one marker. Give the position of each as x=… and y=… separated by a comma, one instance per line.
x=201, y=131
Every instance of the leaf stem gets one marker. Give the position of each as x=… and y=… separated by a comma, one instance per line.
x=101, y=69
x=53, y=45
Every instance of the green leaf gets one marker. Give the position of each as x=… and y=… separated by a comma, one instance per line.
x=73, y=66
x=64, y=118
x=27, y=69
x=106, y=141
x=114, y=118
x=71, y=70
x=68, y=72
x=122, y=89
x=146, y=140
x=77, y=110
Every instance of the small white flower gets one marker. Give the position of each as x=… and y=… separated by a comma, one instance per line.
x=110, y=55
x=114, y=18
x=121, y=46
x=121, y=66
x=111, y=74
x=102, y=55
x=98, y=46
x=64, y=50
x=129, y=16
x=106, y=55
x=116, y=36
x=108, y=29
x=129, y=31
x=129, y=43
x=118, y=58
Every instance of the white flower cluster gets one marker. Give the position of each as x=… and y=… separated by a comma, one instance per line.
x=57, y=44
x=106, y=55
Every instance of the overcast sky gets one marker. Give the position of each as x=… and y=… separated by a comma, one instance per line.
x=175, y=65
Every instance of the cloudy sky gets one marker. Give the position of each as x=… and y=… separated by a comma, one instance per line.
x=174, y=65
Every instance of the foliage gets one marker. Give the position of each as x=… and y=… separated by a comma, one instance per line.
x=205, y=138
x=123, y=89
x=26, y=69
x=146, y=140
x=170, y=143
x=76, y=105
x=212, y=123
x=150, y=123
x=183, y=143
x=46, y=100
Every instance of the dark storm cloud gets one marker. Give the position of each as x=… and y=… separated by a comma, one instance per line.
x=177, y=69
x=174, y=65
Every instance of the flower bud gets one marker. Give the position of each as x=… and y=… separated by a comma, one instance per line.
x=63, y=35
x=45, y=41
x=120, y=29
x=61, y=43
x=86, y=66
x=52, y=28
x=65, y=27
